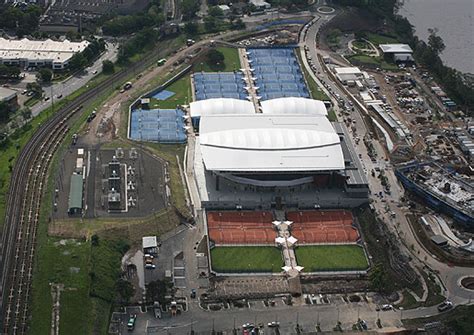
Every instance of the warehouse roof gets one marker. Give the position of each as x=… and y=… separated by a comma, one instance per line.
x=347, y=70
x=395, y=48
x=292, y=105
x=57, y=51
x=75, y=192
x=221, y=106
x=149, y=242
x=7, y=94
x=262, y=142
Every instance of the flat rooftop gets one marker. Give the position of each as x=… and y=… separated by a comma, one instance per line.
x=269, y=143
x=56, y=51
x=395, y=48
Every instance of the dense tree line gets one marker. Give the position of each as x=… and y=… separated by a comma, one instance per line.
x=80, y=60
x=189, y=8
x=23, y=21
x=9, y=72
x=127, y=24
x=137, y=43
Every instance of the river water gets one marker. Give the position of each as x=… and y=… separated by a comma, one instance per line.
x=454, y=20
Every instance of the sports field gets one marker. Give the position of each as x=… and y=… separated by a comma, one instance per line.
x=246, y=259
x=331, y=258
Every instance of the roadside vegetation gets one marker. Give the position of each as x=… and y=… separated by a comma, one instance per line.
x=459, y=320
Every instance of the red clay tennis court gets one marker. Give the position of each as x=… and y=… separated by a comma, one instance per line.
x=241, y=227
x=323, y=227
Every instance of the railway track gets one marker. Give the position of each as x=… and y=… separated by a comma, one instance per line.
x=27, y=183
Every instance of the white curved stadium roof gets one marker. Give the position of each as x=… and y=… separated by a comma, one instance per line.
x=293, y=105
x=221, y=106
x=266, y=143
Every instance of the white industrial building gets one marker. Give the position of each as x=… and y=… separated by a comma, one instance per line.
x=349, y=74
x=398, y=52
x=25, y=52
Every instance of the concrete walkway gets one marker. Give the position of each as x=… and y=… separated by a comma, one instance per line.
x=244, y=61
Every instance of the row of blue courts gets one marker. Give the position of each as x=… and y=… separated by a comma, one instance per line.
x=158, y=125
x=277, y=73
x=219, y=85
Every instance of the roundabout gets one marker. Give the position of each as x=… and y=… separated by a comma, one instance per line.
x=467, y=283
x=326, y=10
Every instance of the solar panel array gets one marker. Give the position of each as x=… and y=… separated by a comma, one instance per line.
x=277, y=73
x=158, y=125
x=219, y=85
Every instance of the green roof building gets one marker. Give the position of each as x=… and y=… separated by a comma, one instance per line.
x=75, y=194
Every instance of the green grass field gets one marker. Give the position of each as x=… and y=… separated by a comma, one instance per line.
x=183, y=95
x=246, y=259
x=381, y=39
x=231, y=62
x=331, y=258
x=373, y=61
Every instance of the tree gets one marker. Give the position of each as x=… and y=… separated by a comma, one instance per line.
x=215, y=11
x=210, y=24
x=77, y=62
x=9, y=72
x=215, y=58
x=191, y=28
x=25, y=113
x=238, y=24
x=95, y=240
x=189, y=8
x=378, y=279
x=125, y=290
x=157, y=290
x=108, y=67
x=45, y=75
x=4, y=111
x=35, y=88
x=435, y=42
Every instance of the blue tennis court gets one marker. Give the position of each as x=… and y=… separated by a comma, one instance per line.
x=163, y=95
x=277, y=73
x=219, y=85
x=158, y=125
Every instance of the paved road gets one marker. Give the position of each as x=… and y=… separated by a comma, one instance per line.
x=449, y=275
x=75, y=82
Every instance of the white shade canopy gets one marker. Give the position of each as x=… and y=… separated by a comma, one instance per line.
x=261, y=142
x=293, y=105
x=220, y=106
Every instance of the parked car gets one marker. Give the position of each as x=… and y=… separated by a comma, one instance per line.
x=387, y=307
x=444, y=306
x=131, y=322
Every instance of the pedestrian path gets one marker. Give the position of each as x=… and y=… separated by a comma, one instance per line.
x=252, y=92
x=287, y=242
